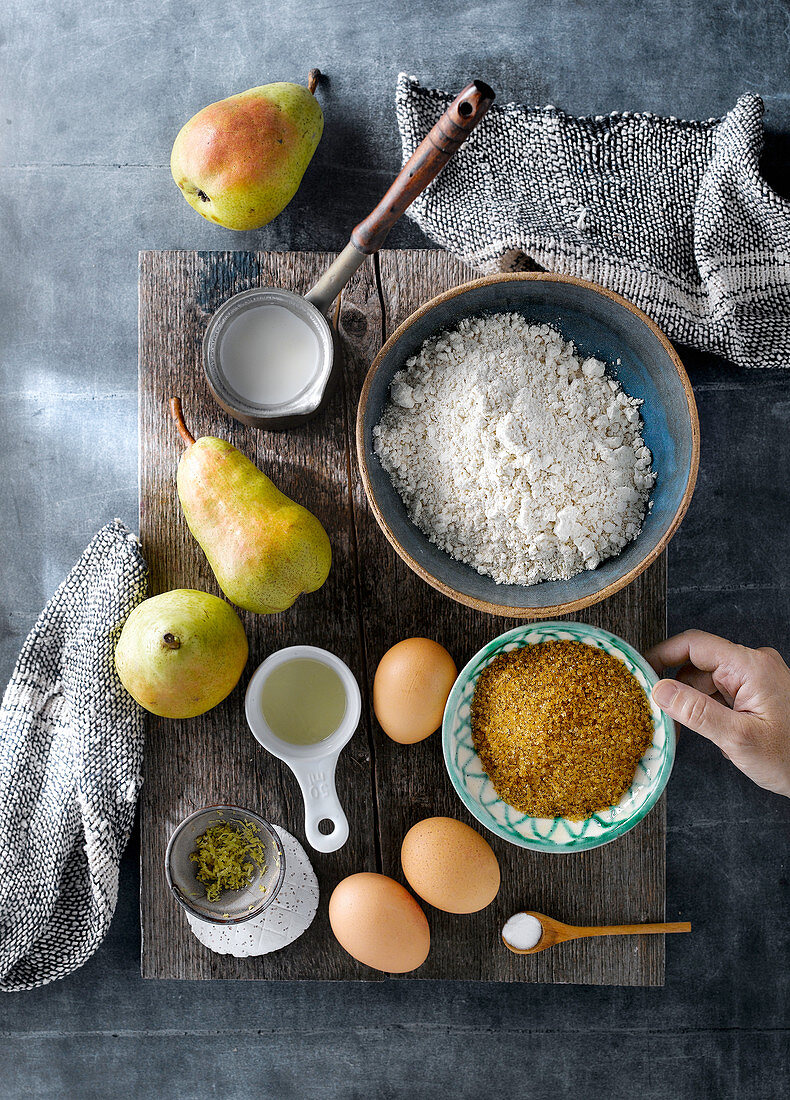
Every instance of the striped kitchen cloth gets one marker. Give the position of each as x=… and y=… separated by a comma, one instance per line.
x=673, y=215
x=71, y=748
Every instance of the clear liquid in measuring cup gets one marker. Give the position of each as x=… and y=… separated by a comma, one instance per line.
x=303, y=701
x=269, y=355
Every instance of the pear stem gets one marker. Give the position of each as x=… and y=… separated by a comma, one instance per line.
x=312, y=80
x=178, y=416
x=171, y=641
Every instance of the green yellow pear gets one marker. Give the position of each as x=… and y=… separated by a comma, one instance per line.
x=264, y=548
x=240, y=161
x=180, y=653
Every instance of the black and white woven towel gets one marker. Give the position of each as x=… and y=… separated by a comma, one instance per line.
x=71, y=742
x=673, y=215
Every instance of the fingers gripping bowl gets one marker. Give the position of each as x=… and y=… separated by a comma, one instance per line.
x=559, y=834
x=601, y=325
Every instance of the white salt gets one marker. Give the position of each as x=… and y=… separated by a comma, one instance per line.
x=522, y=931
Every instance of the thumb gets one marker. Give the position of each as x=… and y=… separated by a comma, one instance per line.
x=695, y=710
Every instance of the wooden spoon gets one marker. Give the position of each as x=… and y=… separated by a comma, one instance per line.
x=555, y=931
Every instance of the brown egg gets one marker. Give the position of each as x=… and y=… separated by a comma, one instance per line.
x=411, y=687
x=379, y=923
x=450, y=865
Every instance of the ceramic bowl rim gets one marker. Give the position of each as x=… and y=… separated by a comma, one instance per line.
x=262, y=823
x=547, y=845
x=548, y=610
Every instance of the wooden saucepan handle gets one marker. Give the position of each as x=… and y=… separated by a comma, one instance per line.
x=425, y=163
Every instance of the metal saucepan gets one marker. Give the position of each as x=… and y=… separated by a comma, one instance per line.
x=304, y=318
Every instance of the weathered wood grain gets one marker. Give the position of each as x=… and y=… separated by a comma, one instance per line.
x=214, y=758
x=370, y=601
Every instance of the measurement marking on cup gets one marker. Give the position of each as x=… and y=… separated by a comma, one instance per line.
x=318, y=784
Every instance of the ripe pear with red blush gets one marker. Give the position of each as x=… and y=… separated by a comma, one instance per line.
x=240, y=161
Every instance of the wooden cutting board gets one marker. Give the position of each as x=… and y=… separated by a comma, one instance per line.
x=370, y=601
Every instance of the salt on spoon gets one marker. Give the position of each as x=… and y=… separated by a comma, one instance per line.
x=522, y=932
x=529, y=932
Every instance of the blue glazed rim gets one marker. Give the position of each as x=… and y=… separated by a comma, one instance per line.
x=558, y=835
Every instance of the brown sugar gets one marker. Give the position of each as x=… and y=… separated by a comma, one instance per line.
x=560, y=728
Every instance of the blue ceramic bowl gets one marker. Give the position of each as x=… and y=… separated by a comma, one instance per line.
x=636, y=352
x=559, y=834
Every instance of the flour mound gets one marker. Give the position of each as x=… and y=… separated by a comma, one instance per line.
x=514, y=454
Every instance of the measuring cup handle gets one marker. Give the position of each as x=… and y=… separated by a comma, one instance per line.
x=425, y=163
x=317, y=782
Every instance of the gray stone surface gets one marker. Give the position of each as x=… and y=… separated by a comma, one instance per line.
x=92, y=95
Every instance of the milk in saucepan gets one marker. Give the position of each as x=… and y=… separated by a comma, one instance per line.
x=269, y=355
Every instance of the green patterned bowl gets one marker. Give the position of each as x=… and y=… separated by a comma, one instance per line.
x=558, y=834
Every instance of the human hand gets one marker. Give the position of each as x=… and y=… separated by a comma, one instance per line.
x=738, y=698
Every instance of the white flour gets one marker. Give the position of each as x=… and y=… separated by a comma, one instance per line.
x=513, y=454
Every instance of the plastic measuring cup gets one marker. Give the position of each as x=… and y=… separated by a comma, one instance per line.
x=313, y=765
